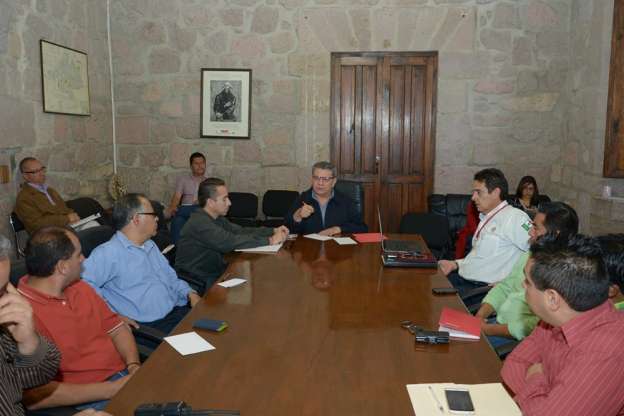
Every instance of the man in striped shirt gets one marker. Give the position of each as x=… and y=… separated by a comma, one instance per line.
x=26, y=359
x=572, y=362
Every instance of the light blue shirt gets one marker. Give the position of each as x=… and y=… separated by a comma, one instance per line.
x=136, y=281
x=323, y=206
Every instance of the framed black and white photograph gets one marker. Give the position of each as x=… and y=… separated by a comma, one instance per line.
x=225, y=103
x=65, y=80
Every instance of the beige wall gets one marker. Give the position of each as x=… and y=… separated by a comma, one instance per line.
x=76, y=150
x=522, y=86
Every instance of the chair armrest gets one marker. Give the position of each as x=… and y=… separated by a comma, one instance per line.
x=505, y=349
x=476, y=291
x=149, y=333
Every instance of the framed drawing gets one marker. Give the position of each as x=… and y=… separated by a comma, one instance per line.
x=225, y=103
x=65, y=80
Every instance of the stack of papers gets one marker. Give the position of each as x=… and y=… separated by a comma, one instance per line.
x=488, y=399
x=86, y=220
x=262, y=249
x=339, y=240
x=344, y=241
x=460, y=325
x=232, y=282
x=318, y=237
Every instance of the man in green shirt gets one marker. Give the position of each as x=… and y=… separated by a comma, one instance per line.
x=514, y=318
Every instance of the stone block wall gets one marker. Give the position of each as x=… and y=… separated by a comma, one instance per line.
x=578, y=175
x=502, y=71
x=77, y=150
x=522, y=86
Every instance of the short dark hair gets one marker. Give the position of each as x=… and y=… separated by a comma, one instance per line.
x=573, y=267
x=125, y=208
x=24, y=161
x=46, y=248
x=325, y=165
x=613, y=255
x=208, y=189
x=493, y=178
x=560, y=218
x=196, y=155
x=528, y=180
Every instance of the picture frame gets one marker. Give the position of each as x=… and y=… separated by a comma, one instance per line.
x=65, y=80
x=225, y=108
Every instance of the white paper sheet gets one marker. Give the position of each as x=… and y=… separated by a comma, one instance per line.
x=189, y=343
x=318, y=237
x=262, y=249
x=345, y=241
x=85, y=220
x=232, y=282
x=489, y=399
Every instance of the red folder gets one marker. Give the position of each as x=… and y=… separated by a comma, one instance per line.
x=460, y=324
x=369, y=237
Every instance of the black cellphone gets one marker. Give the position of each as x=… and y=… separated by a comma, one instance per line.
x=459, y=401
x=444, y=290
x=432, y=337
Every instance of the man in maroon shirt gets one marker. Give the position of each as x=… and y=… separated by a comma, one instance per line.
x=572, y=362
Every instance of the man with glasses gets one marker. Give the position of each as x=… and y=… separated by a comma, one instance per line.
x=132, y=275
x=323, y=210
x=39, y=205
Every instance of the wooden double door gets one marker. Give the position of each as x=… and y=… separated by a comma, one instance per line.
x=383, y=129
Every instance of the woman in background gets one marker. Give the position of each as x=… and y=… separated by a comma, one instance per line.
x=527, y=195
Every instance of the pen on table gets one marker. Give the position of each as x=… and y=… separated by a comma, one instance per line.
x=436, y=399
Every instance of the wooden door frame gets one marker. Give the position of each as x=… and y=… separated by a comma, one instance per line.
x=382, y=117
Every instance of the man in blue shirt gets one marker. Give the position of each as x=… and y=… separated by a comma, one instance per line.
x=132, y=275
x=323, y=210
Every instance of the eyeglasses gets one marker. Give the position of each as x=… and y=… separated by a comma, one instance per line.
x=153, y=214
x=33, y=172
x=322, y=179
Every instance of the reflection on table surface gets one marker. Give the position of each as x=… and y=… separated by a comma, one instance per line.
x=315, y=330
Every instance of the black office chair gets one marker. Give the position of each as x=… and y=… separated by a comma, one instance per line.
x=20, y=235
x=244, y=209
x=93, y=237
x=353, y=190
x=433, y=228
x=275, y=206
x=85, y=206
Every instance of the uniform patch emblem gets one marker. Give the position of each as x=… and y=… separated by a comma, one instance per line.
x=526, y=226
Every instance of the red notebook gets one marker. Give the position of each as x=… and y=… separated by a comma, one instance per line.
x=460, y=324
x=369, y=237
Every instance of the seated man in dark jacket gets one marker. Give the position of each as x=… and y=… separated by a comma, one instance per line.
x=207, y=235
x=323, y=210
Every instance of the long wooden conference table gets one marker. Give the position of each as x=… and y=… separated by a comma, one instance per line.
x=314, y=331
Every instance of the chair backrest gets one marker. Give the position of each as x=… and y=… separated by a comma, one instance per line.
x=244, y=205
x=453, y=207
x=433, y=228
x=85, y=206
x=18, y=269
x=276, y=203
x=90, y=238
x=20, y=236
x=353, y=190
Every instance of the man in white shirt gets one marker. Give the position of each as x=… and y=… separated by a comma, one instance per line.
x=500, y=239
